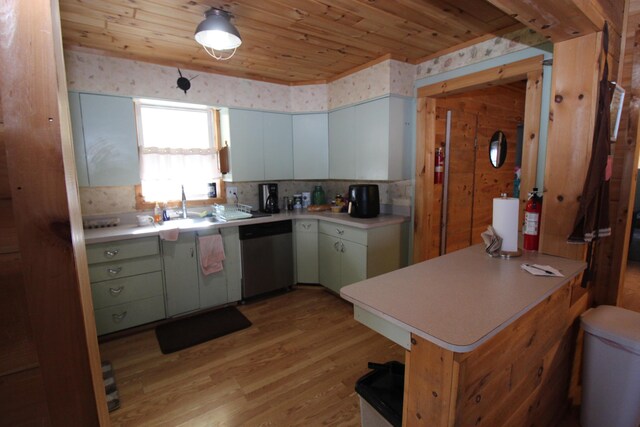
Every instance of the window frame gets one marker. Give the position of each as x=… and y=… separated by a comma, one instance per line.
x=215, y=132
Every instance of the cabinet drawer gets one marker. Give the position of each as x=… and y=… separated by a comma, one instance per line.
x=122, y=249
x=129, y=314
x=306, y=225
x=125, y=268
x=355, y=235
x=119, y=291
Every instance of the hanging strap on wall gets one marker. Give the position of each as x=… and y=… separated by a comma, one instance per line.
x=601, y=139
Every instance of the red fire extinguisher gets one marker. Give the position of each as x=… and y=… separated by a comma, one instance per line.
x=438, y=175
x=532, y=213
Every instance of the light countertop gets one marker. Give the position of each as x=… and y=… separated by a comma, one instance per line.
x=132, y=231
x=460, y=300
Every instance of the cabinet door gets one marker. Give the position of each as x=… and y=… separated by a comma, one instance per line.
x=400, y=136
x=354, y=262
x=181, y=274
x=342, y=144
x=329, y=260
x=306, y=235
x=278, y=146
x=245, y=142
x=372, y=123
x=110, y=139
x=212, y=287
x=310, y=146
x=78, y=139
x=232, y=263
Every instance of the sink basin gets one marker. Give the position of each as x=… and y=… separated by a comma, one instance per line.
x=185, y=223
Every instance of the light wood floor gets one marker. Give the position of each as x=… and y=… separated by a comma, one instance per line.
x=295, y=366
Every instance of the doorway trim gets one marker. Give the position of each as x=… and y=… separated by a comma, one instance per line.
x=529, y=69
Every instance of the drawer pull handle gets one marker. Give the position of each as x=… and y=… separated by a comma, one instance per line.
x=117, y=318
x=335, y=246
x=306, y=226
x=110, y=253
x=113, y=271
x=341, y=247
x=340, y=232
x=116, y=291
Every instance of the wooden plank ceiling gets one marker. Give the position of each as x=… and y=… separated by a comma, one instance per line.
x=284, y=41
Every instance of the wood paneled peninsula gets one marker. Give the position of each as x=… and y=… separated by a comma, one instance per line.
x=487, y=343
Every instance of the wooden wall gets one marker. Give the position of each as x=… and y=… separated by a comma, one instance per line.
x=22, y=397
x=49, y=360
x=473, y=181
x=520, y=377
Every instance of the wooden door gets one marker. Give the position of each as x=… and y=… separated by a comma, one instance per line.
x=473, y=181
x=462, y=159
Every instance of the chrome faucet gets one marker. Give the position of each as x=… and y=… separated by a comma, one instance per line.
x=184, y=204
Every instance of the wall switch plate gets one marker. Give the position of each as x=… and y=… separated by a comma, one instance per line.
x=231, y=193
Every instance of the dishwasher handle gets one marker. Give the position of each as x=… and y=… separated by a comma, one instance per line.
x=265, y=229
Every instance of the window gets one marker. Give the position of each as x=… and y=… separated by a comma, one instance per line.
x=177, y=147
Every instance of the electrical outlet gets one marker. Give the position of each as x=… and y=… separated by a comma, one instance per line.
x=231, y=193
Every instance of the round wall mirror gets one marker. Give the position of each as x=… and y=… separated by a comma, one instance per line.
x=498, y=149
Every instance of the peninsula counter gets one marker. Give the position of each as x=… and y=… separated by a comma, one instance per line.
x=487, y=342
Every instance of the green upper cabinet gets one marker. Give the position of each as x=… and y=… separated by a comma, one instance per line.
x=371, y=141
x=310, y=146
x=342, y=147
x=261, y=146
x=105, y=139
x=278, y=146
x=245, y=145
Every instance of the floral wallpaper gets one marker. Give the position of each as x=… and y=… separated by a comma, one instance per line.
x=492, y=48
x=380, y=79
x=309, y=98
x=101, y=74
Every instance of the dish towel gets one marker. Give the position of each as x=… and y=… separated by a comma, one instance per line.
x=211, y=253
x=170, y=234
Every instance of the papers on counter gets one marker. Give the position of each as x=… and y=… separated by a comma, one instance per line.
x=541, y=270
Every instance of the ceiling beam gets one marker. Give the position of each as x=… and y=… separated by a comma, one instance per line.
x=567, y=19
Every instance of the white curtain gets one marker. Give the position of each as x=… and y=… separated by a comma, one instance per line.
x=164, y=170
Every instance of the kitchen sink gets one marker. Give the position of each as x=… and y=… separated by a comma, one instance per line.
x=186, y=223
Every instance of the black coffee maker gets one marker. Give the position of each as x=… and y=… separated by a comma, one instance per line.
x=268, y=198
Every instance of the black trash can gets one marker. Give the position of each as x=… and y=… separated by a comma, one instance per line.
x=381, y=393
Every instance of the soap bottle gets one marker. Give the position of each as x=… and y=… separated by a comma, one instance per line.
x=165, y=213
x=157, y=214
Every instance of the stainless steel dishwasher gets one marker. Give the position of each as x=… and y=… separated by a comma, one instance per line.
x=267, y=257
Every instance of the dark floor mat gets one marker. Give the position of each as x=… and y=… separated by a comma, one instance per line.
x=184, y=333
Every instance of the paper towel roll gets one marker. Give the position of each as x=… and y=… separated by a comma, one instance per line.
x=505, y=222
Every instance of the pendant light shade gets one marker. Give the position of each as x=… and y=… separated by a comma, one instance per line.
x=217, y=32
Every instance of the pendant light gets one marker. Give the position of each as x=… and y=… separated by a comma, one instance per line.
x=217, y=32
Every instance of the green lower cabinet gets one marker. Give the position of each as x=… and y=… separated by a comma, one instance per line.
x=187, y=287
x=347, y=254
x=306, y=250
x=341, y=262
x=181, y=274
x=329, y=262
x=232, y=263
x=354, y=262
x=126, y=283
x=129, y=314
x=224, y=286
